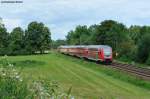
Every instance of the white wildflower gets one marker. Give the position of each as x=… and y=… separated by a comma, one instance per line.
x=17, y=77
x=10, y=65
x=42, y=93
x=16, y=73
x=4, y=74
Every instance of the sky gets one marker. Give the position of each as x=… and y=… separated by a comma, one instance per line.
x=61, y=16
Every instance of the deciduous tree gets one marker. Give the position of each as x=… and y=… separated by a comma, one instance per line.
x=37, y=37
x=16, y=45
x=4, y=40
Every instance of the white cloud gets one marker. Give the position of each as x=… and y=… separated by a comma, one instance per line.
x=11, y=23
x=63, y=15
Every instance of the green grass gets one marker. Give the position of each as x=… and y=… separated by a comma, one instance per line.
x=88, y=80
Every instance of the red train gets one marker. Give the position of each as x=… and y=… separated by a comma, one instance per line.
x=101, y=53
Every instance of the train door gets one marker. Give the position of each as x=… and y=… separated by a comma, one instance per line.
x=100, y=54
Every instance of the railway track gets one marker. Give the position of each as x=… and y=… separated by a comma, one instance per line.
x=139, y=72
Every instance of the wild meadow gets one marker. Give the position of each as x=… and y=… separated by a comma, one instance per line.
x=56, y=75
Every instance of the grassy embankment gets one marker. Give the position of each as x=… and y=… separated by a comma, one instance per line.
x=88, y=80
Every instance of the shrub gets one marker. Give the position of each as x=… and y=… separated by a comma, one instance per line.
x=12, y=86
x=45, y=89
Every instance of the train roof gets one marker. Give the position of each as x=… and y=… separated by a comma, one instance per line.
x=72, y=46
x=87, y=46
x=98, y=46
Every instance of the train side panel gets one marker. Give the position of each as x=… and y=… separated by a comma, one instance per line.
x=92, y=54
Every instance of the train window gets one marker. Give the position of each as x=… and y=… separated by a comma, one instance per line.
x=93, y=49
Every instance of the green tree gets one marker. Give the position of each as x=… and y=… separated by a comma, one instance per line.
x=16, y=45
x=135, y=33
x=4, y=40
x=79, y=37
x=92, y=30
x=143, y=48
x=111, y=33
x=37, y=37
x=70, y=37
x=45, y=40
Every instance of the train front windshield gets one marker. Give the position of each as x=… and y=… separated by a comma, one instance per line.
x=107, y=52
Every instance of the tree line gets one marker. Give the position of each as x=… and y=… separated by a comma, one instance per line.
x=35, y=39
x=131, y=43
